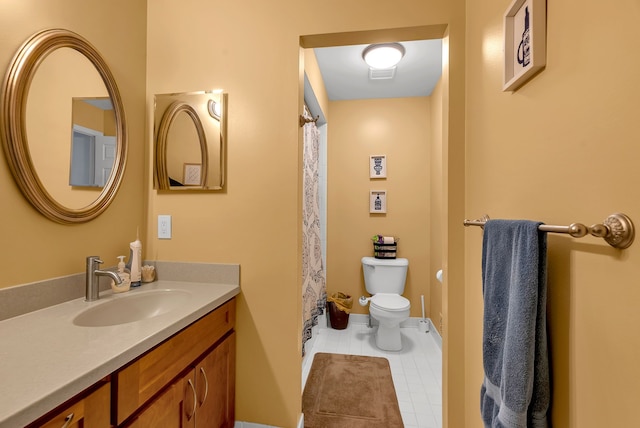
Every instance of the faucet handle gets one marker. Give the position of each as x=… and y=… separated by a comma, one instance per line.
x=94, y=260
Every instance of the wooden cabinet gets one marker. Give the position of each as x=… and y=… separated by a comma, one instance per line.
x=203, y=396
x=202, y=359
x=186, y=381
x=90, y=409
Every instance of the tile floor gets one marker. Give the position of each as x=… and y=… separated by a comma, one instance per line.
x=416, y=369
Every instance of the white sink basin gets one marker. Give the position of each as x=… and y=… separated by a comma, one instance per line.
x=137, y=306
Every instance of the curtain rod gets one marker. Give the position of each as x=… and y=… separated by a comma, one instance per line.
x=617, y=229
x=304, y=120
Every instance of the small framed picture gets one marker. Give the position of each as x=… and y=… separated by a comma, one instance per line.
x=378, y=166
x=192, y=173
x=378, y=201
x=525, y=40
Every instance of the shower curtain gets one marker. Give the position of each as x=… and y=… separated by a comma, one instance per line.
x=314, y=294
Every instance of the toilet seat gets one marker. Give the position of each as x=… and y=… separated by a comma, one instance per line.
x=390, y=302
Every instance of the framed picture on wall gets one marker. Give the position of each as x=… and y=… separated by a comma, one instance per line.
x=525, y=41
x=378, y=166
x=378, y=201
x=192, y=172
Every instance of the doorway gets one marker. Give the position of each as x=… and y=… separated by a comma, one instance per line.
x=347, y=273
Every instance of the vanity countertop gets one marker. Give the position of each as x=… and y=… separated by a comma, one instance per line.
x=45, y=359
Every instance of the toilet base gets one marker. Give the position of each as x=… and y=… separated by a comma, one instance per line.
x=389, y=338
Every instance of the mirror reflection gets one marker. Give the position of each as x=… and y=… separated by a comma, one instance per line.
x=57, y=109
x=93, y=143
x=190, y=139
x=52, y=70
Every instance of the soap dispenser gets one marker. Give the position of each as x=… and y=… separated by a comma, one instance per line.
x=124, y=276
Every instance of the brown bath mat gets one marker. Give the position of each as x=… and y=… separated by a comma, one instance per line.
x=350, y=391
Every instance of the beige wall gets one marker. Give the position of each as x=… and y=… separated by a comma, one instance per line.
x=398, y=128
x=36, y=248
x=562, y=149
x=183, y=146
x=312, y=70
x=255, y=220
x=84, y=114
x=435, y=234
x=430, y=287
x=454, y=387
x=64, y=75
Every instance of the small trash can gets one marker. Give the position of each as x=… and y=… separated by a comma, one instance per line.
x=339, y=306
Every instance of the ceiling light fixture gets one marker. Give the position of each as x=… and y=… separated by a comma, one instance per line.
x=383, y=55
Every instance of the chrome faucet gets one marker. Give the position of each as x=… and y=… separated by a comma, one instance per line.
x=92, y=286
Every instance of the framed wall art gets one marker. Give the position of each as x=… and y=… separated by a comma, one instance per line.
x=525, y=41
x=378, y=201
x=192, y=172
x=378, y=166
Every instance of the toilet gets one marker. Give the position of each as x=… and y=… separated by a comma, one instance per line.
x=384, y=279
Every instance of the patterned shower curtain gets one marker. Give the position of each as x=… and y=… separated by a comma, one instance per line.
x=314, y=294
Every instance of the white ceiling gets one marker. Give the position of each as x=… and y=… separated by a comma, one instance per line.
x=346, y=76
x=101, y=103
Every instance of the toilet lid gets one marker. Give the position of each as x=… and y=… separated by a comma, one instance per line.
x=390, y=302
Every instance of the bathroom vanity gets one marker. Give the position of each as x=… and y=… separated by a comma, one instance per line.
x=75, y=364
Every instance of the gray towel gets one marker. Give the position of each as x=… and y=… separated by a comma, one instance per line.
x=515, y=392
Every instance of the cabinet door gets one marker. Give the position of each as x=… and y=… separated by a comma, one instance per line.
x=90, y=411
x=215, y=377
x=141, y=380
x=173, y=408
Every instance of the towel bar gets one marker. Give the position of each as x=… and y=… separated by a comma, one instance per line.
x=617, y=229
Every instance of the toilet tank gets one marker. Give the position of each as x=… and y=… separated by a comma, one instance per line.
x=384, y=275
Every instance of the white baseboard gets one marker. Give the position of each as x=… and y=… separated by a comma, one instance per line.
x=436, y=336
x=410, y=323
x=364, y=319
x=240, y=424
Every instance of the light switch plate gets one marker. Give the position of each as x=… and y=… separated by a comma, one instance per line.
x=164, y=227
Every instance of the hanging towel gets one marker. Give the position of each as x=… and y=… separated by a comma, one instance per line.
x=515, y=392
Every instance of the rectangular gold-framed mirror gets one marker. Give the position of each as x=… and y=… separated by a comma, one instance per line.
x=190, y=137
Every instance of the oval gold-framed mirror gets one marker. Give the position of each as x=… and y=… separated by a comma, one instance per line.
x=15, y=92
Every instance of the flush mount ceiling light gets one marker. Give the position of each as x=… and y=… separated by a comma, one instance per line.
x=383, y=55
